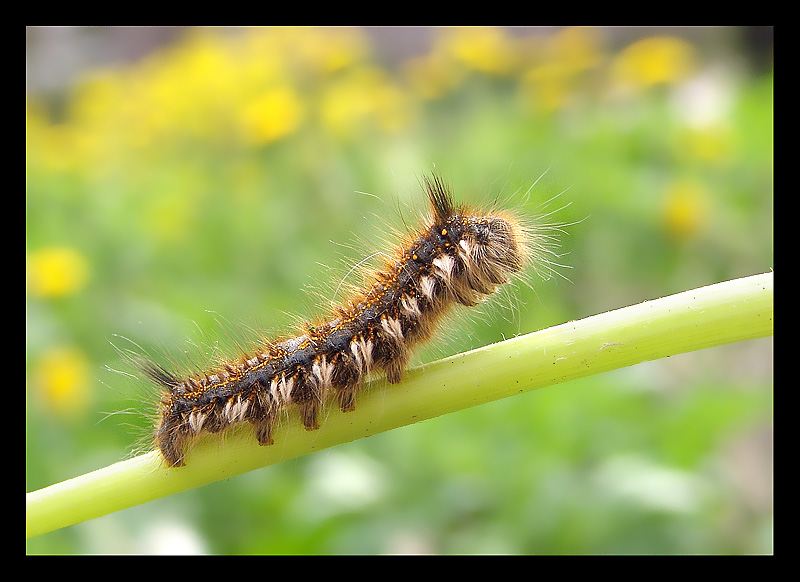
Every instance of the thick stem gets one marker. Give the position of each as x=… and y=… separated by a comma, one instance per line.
x=701, y=318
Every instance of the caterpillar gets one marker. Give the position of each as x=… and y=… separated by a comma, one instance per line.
x=459, y=256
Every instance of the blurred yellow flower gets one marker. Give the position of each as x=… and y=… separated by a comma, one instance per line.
x=485, y=49
x=365, y=95
x=96, y=97
x=654, y=60
x=558, y=62
x=61, y=380
x=191, y=88
x=272, y=115
x=56, y=271
x=60, y=147
x=431, y=76
x=685, y=209
x=210, y=85
x=710, y=144
x=325, y=49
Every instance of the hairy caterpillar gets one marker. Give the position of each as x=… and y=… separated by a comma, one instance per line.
x=459, y=256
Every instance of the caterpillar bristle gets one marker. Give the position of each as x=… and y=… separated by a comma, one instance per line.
x=440, y=198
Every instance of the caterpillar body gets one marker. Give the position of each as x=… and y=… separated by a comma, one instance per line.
x=458, y=257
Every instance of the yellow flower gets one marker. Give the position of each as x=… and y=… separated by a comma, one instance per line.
x=272, y=115
x=431, y=76
x=654, y=60
x=577, y=48
x=685, y=209
x=324, y=49
x=61, y=379
x=56, y=271
x=709, y=144
x=558, y=63
x=363, y=96
x=485, y=49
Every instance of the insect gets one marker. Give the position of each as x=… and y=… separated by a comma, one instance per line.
x=459, y=256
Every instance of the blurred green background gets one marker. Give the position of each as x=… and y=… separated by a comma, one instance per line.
x=184, y=182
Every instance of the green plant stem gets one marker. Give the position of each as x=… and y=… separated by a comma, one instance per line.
x=710, y=316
